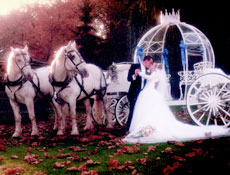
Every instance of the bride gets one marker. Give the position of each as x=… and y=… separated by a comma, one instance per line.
x=154, y=122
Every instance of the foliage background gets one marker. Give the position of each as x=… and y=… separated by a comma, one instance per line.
x=47, y=27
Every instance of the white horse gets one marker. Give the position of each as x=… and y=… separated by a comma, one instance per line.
x=23, y=84
x=73, y=80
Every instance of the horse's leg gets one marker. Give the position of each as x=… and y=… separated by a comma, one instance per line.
x=65, y=110
x=88, y=109
x=17, y=118
x=72, y=107
x=59, y=118
x=55, y=116
x=30, y=108
x=109, y=117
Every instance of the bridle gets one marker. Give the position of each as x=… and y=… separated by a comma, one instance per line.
x=68, y=55
x=27, y=63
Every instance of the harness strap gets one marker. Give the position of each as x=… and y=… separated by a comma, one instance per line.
x=37, y=87
x=63, y=84
x=93, y=92
x=19, y=82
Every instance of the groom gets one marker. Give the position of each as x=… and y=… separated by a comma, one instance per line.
x=137, y=83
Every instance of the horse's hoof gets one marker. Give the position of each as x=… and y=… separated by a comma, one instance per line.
x=60, y=133
x=34, y=134
x=109, y=126
x=55, y=128
x=88, y=128
x=16, y=135
x=74, y=133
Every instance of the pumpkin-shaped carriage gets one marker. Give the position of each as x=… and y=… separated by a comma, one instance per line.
x=202, y=88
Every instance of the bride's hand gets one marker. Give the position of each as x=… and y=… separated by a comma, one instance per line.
x=156, y=84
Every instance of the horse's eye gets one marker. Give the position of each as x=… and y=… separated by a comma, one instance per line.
x=71, y=57
x=19, y=60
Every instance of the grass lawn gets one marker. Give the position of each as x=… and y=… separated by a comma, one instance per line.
x=101, y=151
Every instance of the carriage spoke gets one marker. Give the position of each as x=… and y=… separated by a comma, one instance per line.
x=223, y=120
x=199, y=109
x=202, y=116
x=198, y=103
x=122, y=119
x=197, y=89
x=226, y=112
x=226, y=95
x=225, y=84
x=209, y=117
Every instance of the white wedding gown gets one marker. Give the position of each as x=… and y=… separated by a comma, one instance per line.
x=154, y=122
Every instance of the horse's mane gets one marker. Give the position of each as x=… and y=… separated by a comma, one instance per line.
x=9, y=61
x=56, y=58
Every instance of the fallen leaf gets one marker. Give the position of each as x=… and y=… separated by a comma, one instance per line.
x=168, y=150
x=61, y=164
x=90, y=162
x=199, y=151
x=14, y=157
x=151, y=148
x=190, y=154
x=2, y=147
x=62, y=156
x=46, y=155
x=90, y=172
x=14, y=171
x=143, y=161
x=169, y=169
x=82, y=167
x=77, y=148
x=32, y=159
x=130, y=149
x=180, y=144
x=2, y=167
x=39, y=173
x=113, y=164
x=178, y=158
x=73, y=168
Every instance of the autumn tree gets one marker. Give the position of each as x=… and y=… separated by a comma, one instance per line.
x=43, y=27
x=85, y=34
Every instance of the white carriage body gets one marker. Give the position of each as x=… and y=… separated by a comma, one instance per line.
x=117, y=80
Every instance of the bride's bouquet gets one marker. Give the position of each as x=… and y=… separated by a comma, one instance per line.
x=147, y=131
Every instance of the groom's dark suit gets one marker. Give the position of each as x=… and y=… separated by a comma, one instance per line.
x=134, y=90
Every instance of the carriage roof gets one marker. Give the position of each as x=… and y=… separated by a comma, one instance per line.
x=195, y=42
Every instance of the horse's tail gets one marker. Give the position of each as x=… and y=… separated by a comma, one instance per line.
x=103, y=84
x=98, y=109
x=98, y=99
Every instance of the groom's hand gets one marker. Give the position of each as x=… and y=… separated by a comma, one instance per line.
x=137, y=72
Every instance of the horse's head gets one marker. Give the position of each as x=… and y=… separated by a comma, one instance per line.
x=19, y=62
x=73, y=59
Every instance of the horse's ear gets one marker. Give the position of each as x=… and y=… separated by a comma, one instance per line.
x=74, y=44
x=12, y=49
x=69, y=44
x=26, y=48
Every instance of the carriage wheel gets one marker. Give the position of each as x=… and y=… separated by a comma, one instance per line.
x=208, y=100
x=122, y=110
